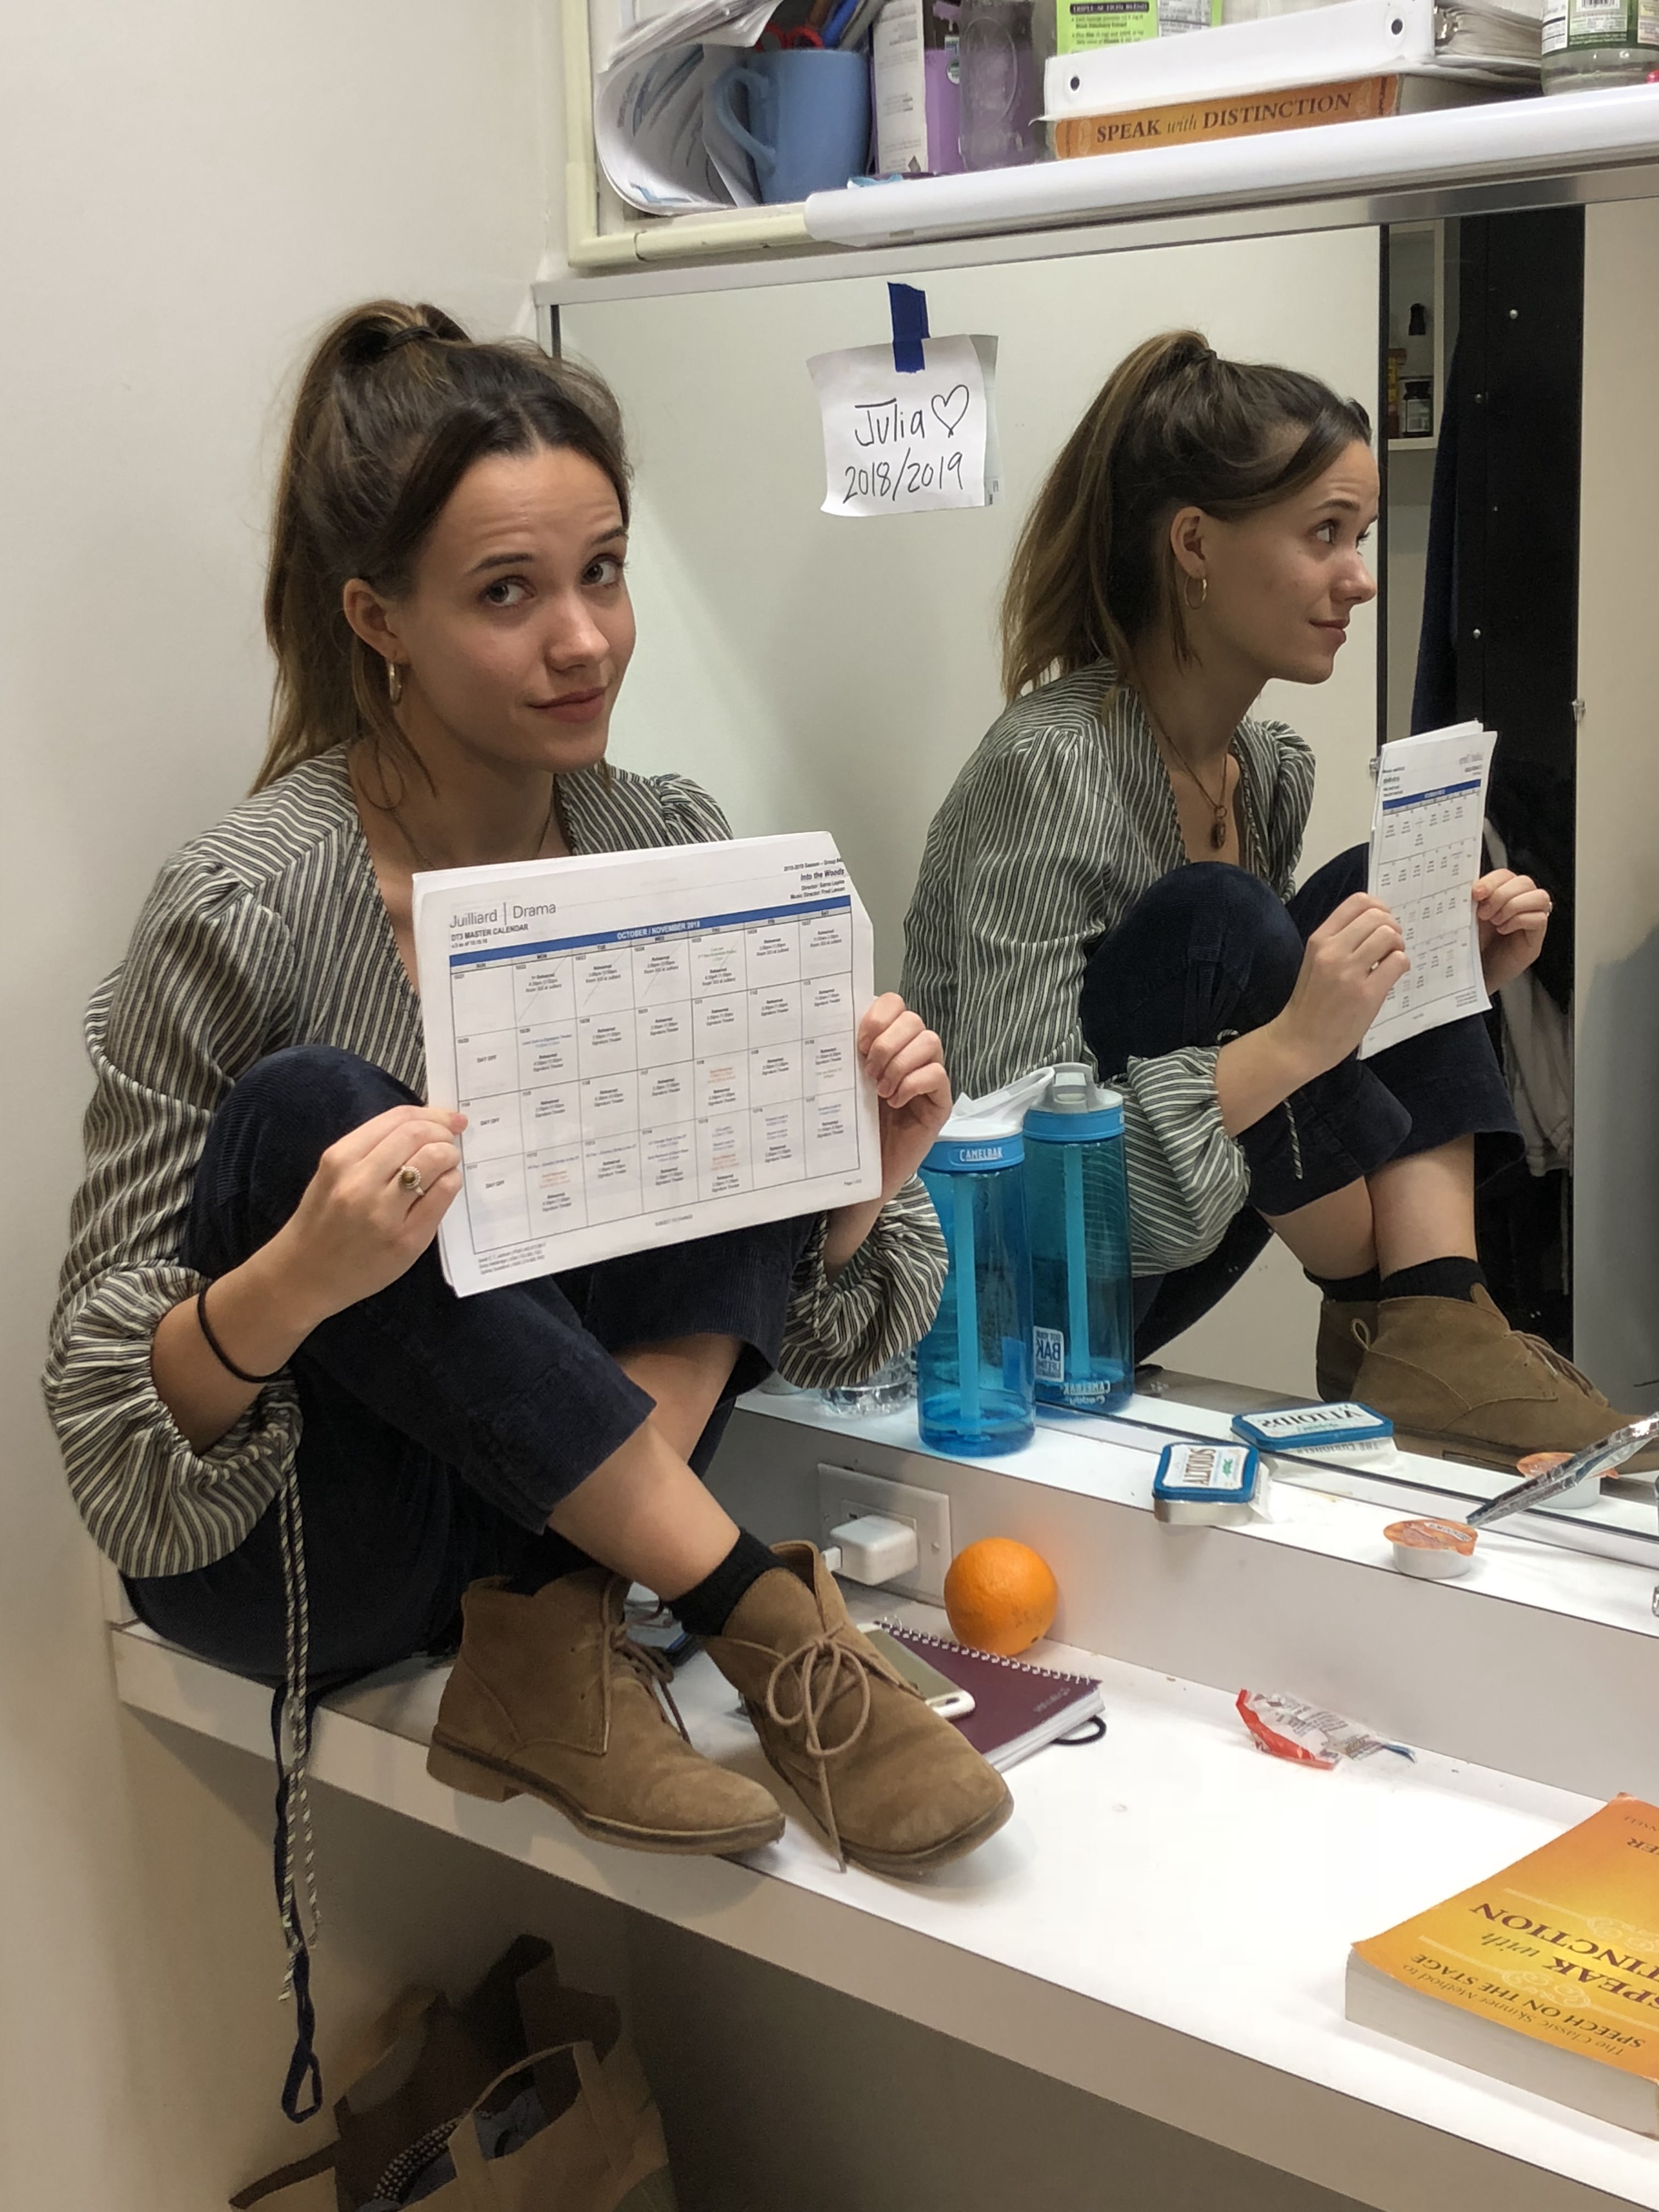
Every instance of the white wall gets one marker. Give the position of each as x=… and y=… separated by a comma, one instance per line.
x=189, y=189
x=820, y=671
x=1616, y=1181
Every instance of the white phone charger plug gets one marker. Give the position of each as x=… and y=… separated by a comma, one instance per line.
x=872, y=1549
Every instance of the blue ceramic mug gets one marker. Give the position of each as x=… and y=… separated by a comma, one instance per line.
x=807, y=128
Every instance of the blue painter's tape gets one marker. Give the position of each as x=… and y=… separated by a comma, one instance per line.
x=910, y=312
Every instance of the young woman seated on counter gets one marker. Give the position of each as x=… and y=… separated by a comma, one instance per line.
x=1112, y=877
x=307, y=1457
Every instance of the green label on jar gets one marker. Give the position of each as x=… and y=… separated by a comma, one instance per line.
x=1571, y=24
x=1081, y=25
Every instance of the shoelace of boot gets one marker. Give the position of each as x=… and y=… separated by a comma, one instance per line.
x=652, y=1668
x=818, y=1670
x=1556, y=1362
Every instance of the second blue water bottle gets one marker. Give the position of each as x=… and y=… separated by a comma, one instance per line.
x=1076, y=1196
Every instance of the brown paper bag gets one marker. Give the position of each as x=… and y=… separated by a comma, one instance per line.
x=604, y=2153
x=425, y=2070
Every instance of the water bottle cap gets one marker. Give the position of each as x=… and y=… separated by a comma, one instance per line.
x=983, y=1133
x=1075, y=1109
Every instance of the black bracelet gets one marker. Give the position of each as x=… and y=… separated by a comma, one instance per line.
x=218, y=1349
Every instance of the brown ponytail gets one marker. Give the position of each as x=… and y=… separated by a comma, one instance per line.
x=1173, y=426
x=394, y=406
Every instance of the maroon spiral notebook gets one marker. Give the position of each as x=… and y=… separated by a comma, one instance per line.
x=1017, y=1709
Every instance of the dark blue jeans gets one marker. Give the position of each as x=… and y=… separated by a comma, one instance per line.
x=439, y=1432
x=1212, y=952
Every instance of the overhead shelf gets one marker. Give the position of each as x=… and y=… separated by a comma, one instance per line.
x=1575, y=146
x=1507, y=141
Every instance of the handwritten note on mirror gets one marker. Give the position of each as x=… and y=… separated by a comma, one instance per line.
x=900, y=443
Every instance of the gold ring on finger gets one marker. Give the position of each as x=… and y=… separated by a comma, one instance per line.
x=409, y=1178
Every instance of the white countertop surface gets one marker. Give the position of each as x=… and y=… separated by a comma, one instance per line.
x=1167, y=1916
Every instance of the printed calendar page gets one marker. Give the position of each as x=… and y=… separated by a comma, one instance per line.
x=649, y=1046
x=1427, y=825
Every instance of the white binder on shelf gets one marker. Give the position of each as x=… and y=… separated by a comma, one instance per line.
x=1478, y=43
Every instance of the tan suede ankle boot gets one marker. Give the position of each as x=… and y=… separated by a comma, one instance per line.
x=1346, y=1326
x=896, y=1787
x=1452, y=1374
x=548, y=1696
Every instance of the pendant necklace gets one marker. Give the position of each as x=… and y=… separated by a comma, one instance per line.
x=1218, y=826
x=390, y=807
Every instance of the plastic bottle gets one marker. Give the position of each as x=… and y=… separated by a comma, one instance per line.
x=1417, y=376
x=1420, y=345
x=1076, y=1197
x=884, y=1392
x=1001, y=85
x=974, y=1384
x=1589, y=44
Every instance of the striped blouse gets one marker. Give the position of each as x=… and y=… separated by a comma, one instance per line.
x=1059, y=822
x=269, y=931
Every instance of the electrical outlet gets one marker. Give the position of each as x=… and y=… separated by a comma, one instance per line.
x=844, y=1494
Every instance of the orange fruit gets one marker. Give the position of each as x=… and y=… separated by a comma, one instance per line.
x=1000, y=1596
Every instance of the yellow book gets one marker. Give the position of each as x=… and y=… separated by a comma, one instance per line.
x=1546, y=1975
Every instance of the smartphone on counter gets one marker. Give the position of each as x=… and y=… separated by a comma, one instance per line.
x=943, y=1695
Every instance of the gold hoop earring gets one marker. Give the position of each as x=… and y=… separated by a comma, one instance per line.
x=1194, y=605
x=394, y=682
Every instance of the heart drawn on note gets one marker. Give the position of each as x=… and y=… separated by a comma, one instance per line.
x=951, y=407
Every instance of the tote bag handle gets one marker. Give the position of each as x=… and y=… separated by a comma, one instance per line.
x=473, y=2169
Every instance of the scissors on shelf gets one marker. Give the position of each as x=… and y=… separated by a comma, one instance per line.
x=771, y=41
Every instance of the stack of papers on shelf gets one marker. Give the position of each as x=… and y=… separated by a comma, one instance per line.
x=657, y=136
x=627, y=30
x=1486, y=38
x=655, y=131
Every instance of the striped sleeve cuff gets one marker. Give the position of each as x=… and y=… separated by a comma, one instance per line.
x=153, y=1504
x=1187, y=1177
x=882, y=1302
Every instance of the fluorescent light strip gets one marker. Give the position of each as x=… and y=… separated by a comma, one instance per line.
x=1453, y=145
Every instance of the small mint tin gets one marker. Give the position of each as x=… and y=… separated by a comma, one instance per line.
x=1206, y=1482
x=1347, y=1430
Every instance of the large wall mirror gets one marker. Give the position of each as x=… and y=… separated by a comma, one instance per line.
x=817, y=671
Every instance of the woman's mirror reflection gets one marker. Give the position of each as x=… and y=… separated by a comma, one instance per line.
x=1113, y=877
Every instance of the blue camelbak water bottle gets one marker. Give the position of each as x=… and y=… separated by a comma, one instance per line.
x=974, y=1367
x=1076, y=1197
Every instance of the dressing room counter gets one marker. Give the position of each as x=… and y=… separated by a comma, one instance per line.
x=1166, y=1921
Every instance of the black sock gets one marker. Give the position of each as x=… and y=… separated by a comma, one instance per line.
x=707, y=1606
x=553, y=1557
x=1436, y=1279
x=1354, y=1290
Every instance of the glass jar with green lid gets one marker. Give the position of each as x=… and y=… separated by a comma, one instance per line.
x=1591, y=43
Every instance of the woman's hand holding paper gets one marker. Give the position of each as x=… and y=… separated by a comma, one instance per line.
x=905, y=1062
x=362, y=1221
x=1513, y=913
